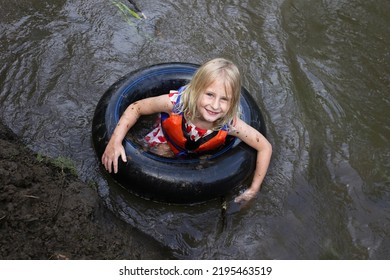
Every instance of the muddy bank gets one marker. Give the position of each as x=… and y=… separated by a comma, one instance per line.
x=47, y=213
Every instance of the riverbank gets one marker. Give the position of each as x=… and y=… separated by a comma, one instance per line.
x=46, y=212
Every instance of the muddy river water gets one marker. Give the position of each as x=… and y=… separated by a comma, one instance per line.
x=318, y=69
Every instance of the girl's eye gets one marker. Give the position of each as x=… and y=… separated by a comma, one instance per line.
x=209, y=94
x=225, y=99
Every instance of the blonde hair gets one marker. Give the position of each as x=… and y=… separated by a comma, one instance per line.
x=218, y=68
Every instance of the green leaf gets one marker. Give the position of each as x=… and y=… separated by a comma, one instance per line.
x=126, y=10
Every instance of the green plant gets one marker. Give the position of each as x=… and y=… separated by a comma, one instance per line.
x=126, y=12
x=63, y=163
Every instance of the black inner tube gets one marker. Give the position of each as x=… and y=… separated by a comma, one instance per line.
x=173, y=180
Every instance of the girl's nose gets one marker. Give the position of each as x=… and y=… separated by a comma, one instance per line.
x=215, y=104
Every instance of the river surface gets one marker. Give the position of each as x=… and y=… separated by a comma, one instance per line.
x=319, y=70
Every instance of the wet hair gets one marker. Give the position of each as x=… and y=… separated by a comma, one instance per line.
x=218, y=68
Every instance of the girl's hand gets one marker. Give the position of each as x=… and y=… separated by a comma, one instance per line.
x=133, y=112
x=111, y=155
x=246, y=196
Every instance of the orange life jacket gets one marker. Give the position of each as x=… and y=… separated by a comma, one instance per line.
x=181, y=144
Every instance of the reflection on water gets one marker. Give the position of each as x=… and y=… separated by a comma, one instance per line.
x=318, y=70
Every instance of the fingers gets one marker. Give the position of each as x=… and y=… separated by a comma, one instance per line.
x=115, y=161
x=110, y=162
x=238, y=199
x=107, y=162
x=123, y=155
x=245, y=197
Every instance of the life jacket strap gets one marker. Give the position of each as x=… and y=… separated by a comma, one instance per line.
x=191, y=144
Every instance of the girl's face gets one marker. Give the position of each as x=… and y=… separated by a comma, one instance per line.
x=213, y=103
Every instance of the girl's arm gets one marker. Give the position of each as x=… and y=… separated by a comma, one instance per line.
x=256, y=140
x=148, y=106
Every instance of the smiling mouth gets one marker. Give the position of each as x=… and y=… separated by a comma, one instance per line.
x=212, y=113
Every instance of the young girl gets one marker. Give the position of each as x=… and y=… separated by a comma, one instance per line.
x=195, y=119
